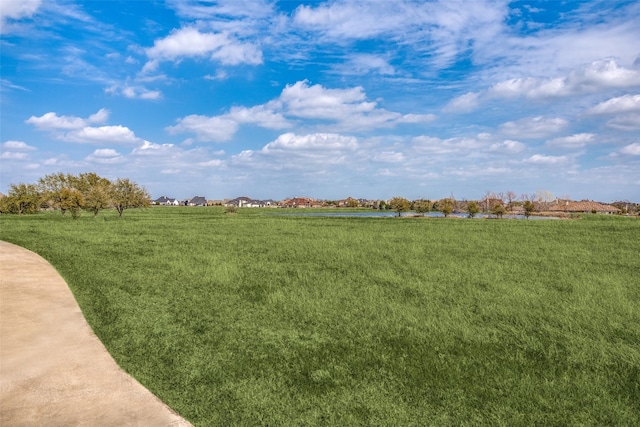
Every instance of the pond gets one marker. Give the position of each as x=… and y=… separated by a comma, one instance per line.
x=384, y=214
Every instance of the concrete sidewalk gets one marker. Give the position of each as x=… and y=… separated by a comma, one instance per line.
x=53, y=369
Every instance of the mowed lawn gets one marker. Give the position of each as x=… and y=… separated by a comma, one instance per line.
x=259, y=319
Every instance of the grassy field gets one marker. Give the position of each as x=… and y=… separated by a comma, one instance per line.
x=259, y=319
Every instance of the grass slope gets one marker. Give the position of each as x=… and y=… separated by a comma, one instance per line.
x=259, y=319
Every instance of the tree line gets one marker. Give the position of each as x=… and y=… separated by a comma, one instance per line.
x=74, y=194
x=449, y=205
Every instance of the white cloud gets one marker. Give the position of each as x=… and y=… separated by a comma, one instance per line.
x=594, y=77
x=113, y=134
x=360, y=64
x=217, y=129
x=533, y=127
x=105, y=156
x=441, y=28
x=314, y=153
x=51, y=121
x=189, y=42
x=540, y=159
x=312, y=142
x=631, y=149
x=77, y=129
x=507, y=146
x=346, y=109
x=16, y=146
x=261, y=115
x=150, y=149
x=463, y=103
x=17, y=9
x=11, y=155
x=577, y=140
x=134, y=92
x=416, y=118
x=620, y=104
x=626, y=122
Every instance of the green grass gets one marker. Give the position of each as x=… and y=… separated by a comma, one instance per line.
x=258, y=319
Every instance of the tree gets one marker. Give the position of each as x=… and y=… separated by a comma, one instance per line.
x=400, y=204
x=21, y=199
x=528, y=207
x=126, y=194
x=499, y=210
x=97, y=192
x=473, y=208
x=446, y=206
x=72, y=200
x=51, y=186
x=422, y=206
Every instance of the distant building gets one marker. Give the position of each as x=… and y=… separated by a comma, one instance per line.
x=584, y=206
x=166, y=201
x=197, y=201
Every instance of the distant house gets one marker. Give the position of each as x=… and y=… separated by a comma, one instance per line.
x=300, y=202
x=166, y=201
x=162, y=200
x=246, y=202
x=197, y=201
x=584, y=206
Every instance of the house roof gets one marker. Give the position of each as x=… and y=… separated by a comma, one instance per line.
x=198, y=200
x=582, y=206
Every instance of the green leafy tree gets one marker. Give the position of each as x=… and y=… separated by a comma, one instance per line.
x=498, y=210
x=400, y=204
x=96, y=191
x=21, y=199
x=51, y=186
x=422, y=206
x=72, y=200
x=528, y=207
x=473, y=209
x=446, y=206
x=127, y=194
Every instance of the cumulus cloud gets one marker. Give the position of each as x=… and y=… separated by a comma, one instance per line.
x=463, y=103
x=16, y=146
x=150, y=149
x=620, y=104
x=309, y=152
x=222, y=128
x=217, y=129
x=597, y=76
x=338, y=109
x=114, y=134
x=347, y=108
x=591, y=78
x=77, y=129
x=507, y=146
x=13, y=155
x=541, y=159
x=190, y=42
x=360, y=64
x=105, y=156
x=17, y=9
x=577, y=140
x=318, y=141
x=631, y=149
x=134, y=92
x=533, y=127
x=626, y=122
x=51, y=121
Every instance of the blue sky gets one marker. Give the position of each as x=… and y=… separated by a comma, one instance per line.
x=332, y=99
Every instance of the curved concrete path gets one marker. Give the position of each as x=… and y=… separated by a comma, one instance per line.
x=53, y=369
